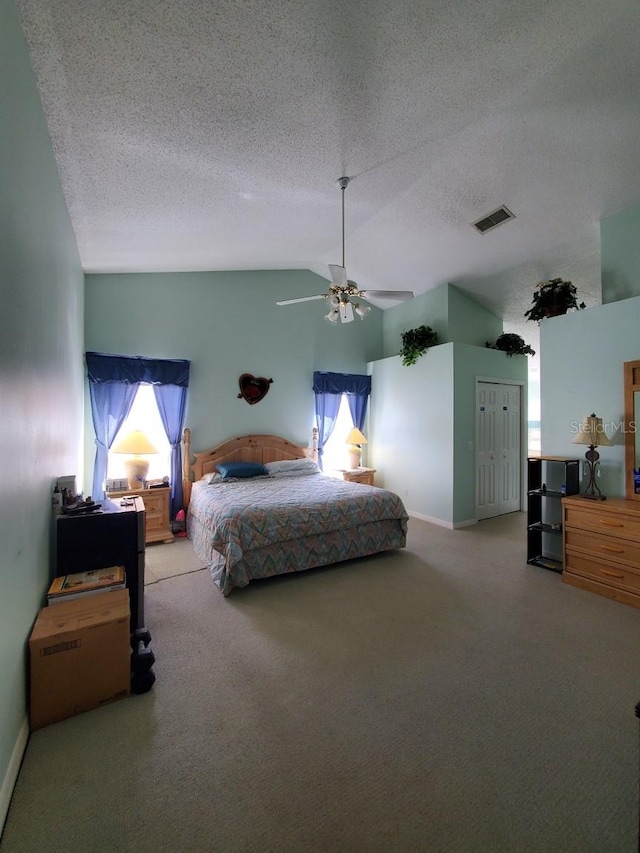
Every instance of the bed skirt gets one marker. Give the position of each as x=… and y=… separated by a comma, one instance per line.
x=297, y=555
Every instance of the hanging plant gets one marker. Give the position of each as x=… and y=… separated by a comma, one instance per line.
x=552, y=298
x=415, y=342
x=512, y=345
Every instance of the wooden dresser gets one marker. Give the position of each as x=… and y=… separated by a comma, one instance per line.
x=601, y=544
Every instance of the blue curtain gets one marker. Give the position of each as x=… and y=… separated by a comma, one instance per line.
x=113, y=384
x=328, y=389
x=358, y=409
x=327, y=406
x=110, y=405
x=341, y=383
x=134, y=369
x=172, y=404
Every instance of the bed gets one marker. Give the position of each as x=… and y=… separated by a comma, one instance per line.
x=288, y=517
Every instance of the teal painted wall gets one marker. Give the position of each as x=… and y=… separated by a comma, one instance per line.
x=226, y=324
x=411, y=430
x=429, y=309
x=422, y=426
x=450, y=312
x=470, y=322
x=470, y=363
x=581, y=371
x=41, y=386
x=620, y=238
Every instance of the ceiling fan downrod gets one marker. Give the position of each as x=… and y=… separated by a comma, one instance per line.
x=343, y=183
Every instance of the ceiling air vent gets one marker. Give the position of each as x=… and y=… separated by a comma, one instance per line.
x=492, y=220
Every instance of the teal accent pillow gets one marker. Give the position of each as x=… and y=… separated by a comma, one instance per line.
x=231, y=470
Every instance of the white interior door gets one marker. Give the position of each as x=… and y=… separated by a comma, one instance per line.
x=497, y=448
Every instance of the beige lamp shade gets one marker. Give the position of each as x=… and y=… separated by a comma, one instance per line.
x=136, y=444
x=354, y=439
x=591, y=433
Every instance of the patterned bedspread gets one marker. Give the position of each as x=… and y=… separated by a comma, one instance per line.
x=258, y=527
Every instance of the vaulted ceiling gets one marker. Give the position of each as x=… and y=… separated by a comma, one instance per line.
x=194, y=134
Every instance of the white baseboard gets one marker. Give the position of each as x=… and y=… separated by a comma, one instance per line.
x=468, y=523
x=450, y=525
x=11, y=776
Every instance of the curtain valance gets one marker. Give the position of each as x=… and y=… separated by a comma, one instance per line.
x=341, y=383
x=132, y=370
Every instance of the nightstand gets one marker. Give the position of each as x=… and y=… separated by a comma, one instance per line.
x=156, y=504
x=359, y=475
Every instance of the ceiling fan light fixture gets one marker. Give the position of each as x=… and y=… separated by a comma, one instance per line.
x=333, y=316
x=342, y=289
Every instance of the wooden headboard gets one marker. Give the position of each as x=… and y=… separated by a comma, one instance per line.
x=244, y=448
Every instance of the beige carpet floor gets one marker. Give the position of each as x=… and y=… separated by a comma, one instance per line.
x=446, y=697
x=168, y=561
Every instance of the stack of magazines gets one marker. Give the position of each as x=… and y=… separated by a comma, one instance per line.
x=68, y=587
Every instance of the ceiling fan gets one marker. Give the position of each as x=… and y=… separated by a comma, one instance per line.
x=343, y=292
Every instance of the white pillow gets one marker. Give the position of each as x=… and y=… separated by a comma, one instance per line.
x=292, y=467
x=214, y=477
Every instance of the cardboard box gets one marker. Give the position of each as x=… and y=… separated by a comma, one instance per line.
x=80, y=656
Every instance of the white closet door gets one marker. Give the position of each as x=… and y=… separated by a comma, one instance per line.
x=497, y=448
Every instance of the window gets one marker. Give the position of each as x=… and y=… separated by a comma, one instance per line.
x=335, y=450
x=533, y=419
x=333, y=391
x=144, y=415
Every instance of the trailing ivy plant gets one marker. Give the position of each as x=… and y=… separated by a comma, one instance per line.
x=415, y=342
x=512, y=345
x=552, y=298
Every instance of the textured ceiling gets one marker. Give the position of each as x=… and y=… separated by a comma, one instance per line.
x=193, y=134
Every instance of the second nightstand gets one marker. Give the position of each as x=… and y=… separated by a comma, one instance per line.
x=359, y=475
x=156, y=504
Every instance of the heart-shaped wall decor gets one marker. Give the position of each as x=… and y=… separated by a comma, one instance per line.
x=253, y=388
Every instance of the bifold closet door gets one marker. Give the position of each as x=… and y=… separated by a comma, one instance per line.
x=498, y=460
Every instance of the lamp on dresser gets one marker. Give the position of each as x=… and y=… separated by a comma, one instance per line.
x=136, y=444
x=591, y=432
x=354, y=451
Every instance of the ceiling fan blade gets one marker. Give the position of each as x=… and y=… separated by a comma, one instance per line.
x=302, y=299
x=397, y=295
x=338, y=275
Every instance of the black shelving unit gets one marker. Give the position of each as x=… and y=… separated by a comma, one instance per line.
x=549, y=479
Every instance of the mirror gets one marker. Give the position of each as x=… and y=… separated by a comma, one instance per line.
x=631, y=434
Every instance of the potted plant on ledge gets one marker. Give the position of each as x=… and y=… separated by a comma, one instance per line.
x=552, y=298
x=415, y=342
x=511, y=344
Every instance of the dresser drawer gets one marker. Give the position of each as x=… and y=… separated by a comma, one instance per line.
x=155, y=518
x=611, y=574
x=616, y=524
x=607, y=547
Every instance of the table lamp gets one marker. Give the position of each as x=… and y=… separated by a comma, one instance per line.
x=137, y=445
x=591, y=432
x=354, y=451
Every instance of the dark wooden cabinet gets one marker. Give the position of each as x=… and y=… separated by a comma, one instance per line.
x=111, y=536
x=549, y=479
